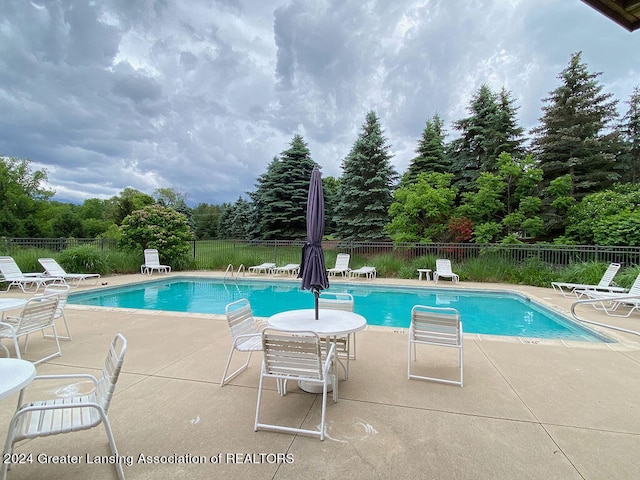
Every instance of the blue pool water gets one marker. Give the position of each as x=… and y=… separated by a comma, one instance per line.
x=486, y=312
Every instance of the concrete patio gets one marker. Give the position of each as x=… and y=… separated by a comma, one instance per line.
x=528, y=410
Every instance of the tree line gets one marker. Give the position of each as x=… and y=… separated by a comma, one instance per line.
x=573, y=179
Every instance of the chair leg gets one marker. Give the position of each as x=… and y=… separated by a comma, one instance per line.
x=226, y=379
x=255, y=425
x=66, y=326
x=112, y=444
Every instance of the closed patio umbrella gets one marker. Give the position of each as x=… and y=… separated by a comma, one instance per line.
x=312, y=269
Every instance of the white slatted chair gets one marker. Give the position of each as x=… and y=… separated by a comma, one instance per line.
x=53, y=269
x=345, y=346
x=579, y=289
x=70, y=414
x=63, y=294
x=342, y=265
x=296, y=356
x=437, y=326
x=246, y=335
x=443, y=269
x=37, y=315
x=152, y=262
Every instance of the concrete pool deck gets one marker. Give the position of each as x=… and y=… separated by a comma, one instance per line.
x=529, y=409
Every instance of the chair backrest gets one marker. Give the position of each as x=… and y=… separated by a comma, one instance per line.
x=342, y=261
x=10, y=269
x=336, y=301
x=292, y=354
x=436, y=325
x=443, y=266
x=607, y=278
x=111, y=371
x=38, y=313
x=63, y=294
x=240, y=318
x=52, y=267
x=635, y=288
x=151, y=257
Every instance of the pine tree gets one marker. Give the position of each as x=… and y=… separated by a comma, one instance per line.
x=366, y=185
x=630, y=160
x=490, y=130
x=574, y=137
x=280, y=200
x=431, y=157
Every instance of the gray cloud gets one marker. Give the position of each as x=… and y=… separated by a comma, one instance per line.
x=201, y=95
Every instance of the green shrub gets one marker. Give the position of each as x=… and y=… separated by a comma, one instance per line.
x=83, y=259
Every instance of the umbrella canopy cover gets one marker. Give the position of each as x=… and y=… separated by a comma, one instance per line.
x=312, y=268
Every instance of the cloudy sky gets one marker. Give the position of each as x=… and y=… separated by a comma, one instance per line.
x=200, y=95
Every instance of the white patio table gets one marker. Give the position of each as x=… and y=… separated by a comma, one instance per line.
x=15, y=374
x=331, y=324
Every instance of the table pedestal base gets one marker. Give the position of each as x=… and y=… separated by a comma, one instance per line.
x=310, y=387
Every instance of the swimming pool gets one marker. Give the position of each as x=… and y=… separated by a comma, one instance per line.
x=484, y=312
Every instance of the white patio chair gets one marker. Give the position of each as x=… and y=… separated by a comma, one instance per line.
x=11, y=274
x=54, y=269
x=262, y=268
x=296, y=356
x=152, y=262
x=246, y=335
x=342, y=265
x=443, y=269
x=578, y=289
x=437, y=326
x=610, y=302
x=340, y=301
x=63, y=295
x=289, y=268
x=367, y=272
x=37, y=315
x=70, y=414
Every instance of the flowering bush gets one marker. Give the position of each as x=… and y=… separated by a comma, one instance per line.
x=161, y=228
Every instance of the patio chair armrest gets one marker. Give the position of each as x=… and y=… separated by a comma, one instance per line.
x=329, y=359
x=12, y=328
x=69, y=376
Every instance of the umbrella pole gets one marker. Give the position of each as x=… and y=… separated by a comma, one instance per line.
x=316, y=294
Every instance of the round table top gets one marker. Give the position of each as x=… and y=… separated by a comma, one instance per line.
x=330, y=322
x=15, y=374
x=10, y=303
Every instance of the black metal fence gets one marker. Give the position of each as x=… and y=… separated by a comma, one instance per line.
x=287, y=251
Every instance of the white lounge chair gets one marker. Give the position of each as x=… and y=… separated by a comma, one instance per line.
x=611, y=301
x=152, y=262
x=262, y=268
x=11, y=274
x=367, y=272
x=289, y=269
x=295, y=356
x=246, y=335
x=54, y=269
x=342, y=265
x=576, y=289
x=345, y=346
x=443, y=269
x=37, y=315
x=437, y=326
x=66, y=414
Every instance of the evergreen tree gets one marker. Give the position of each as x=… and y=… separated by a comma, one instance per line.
x=431, y=157
x=630, y=160
x=280, y=200
x=574, y=137
x=490, y=130
x=366, y=185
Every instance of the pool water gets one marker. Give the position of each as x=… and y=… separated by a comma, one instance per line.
x=484, y=312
